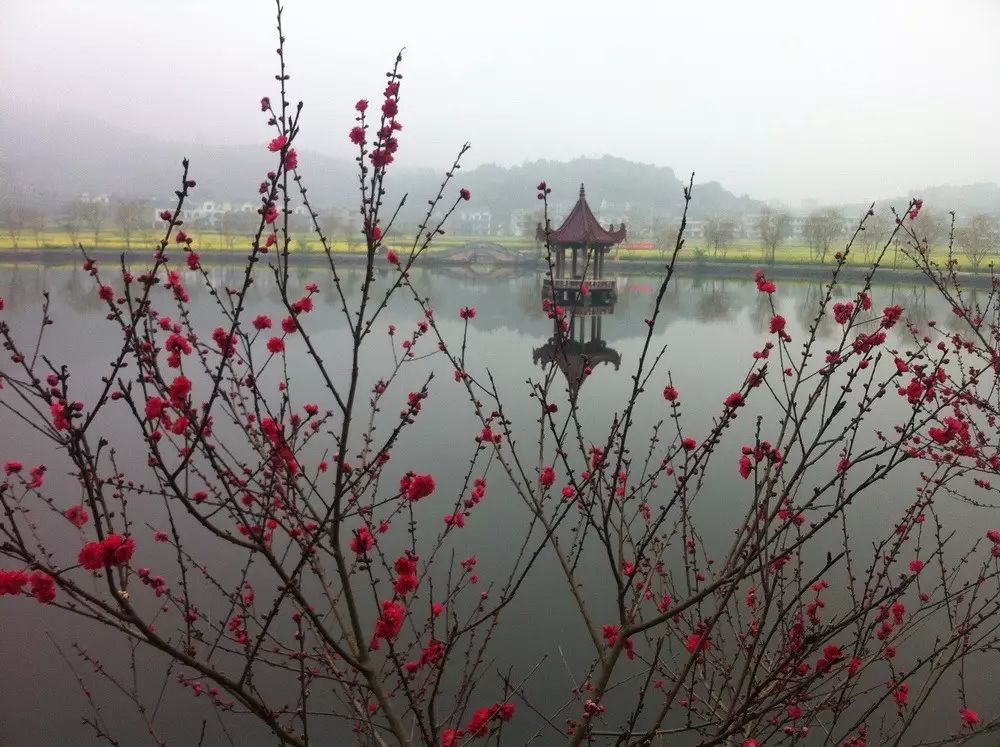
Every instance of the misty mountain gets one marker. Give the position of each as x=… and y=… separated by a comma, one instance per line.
x=55, y=156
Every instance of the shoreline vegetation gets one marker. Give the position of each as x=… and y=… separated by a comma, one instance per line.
x=739, y=252
x=791, y=267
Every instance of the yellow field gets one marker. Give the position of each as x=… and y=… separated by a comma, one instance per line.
x=213, y=241
x=206, y=241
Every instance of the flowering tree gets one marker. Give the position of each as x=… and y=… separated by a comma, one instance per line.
x=346, y=605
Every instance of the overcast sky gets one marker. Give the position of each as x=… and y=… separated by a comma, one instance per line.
x=790, y=99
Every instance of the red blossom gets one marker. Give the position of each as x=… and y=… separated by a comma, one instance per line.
x=262, y=321
x=969, y=717
x=112, y=550
x=43, y=587
x=77, y=515
x=698, y=642
x=390, y=622
x=547, y=477
x=465, y=194
x=12, y=582
x=734, y=400
x=763, y=284
x=278, y=143
x=419, y=486
x=670, y=393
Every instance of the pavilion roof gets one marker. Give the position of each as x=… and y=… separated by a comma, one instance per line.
x=581, y=227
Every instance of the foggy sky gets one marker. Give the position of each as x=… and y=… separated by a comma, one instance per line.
x=789, y=99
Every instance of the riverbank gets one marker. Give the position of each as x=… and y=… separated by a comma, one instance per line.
x=738, y=269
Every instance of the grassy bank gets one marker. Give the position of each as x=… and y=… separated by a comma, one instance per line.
x=740, y=253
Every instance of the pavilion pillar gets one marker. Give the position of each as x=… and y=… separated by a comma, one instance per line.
x=593, y=328
x=574, y=262
x=558, y=263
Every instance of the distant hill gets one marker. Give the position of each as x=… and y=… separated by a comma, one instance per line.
x=56, y=156
x=965, y=200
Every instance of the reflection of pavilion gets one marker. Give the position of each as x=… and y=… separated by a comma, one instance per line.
x=575, y=351
x=588, y=244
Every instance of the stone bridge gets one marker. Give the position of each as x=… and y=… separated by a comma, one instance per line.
x=483, y=252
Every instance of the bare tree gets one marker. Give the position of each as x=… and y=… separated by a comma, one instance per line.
x=35, y=221
x=13, y=213
x=666, y=237
x=72, y=220
x=978, y=238
x=129, y=217
x=930, y=227
x=95, y=214
x=821, y=229
x=719, y=234
x=774, y=227
x=876, y=233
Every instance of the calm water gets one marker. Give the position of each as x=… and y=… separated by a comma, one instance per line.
x=709, y=325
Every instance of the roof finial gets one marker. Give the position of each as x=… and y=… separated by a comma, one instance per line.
x=582, y=195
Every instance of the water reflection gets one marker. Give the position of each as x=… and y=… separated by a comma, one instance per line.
x=579, y=349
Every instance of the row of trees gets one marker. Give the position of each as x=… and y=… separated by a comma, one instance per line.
x=25, y=222
x=825, y=229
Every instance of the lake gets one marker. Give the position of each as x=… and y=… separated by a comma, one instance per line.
x=708, y=324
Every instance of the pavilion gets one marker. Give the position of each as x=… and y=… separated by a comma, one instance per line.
x=588, y=243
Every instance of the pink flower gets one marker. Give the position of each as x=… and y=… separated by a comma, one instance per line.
x=357, y=135
x=465, y=194
x=289, y=325
x=777, y=323
x=77, y=515
x=670, y=393
x=420, y=486
x=689, y=443
x=916, y=566
x=392, y=257
x=969, y=717
x=265, y=104
x=13, y=467
x=698, y=642
x=467, y=312
x=763, y=284
x=390, y=108
x=11, y=582
x=291, y=160
x=390, y=622
x=363, y=541
x=734, y=400
x=60, y=416
x=547, y=477
x=361, y=105
x=745, y=466
x=275, y=345
x=262, y=321
x=43, y=587
x=278, y=143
